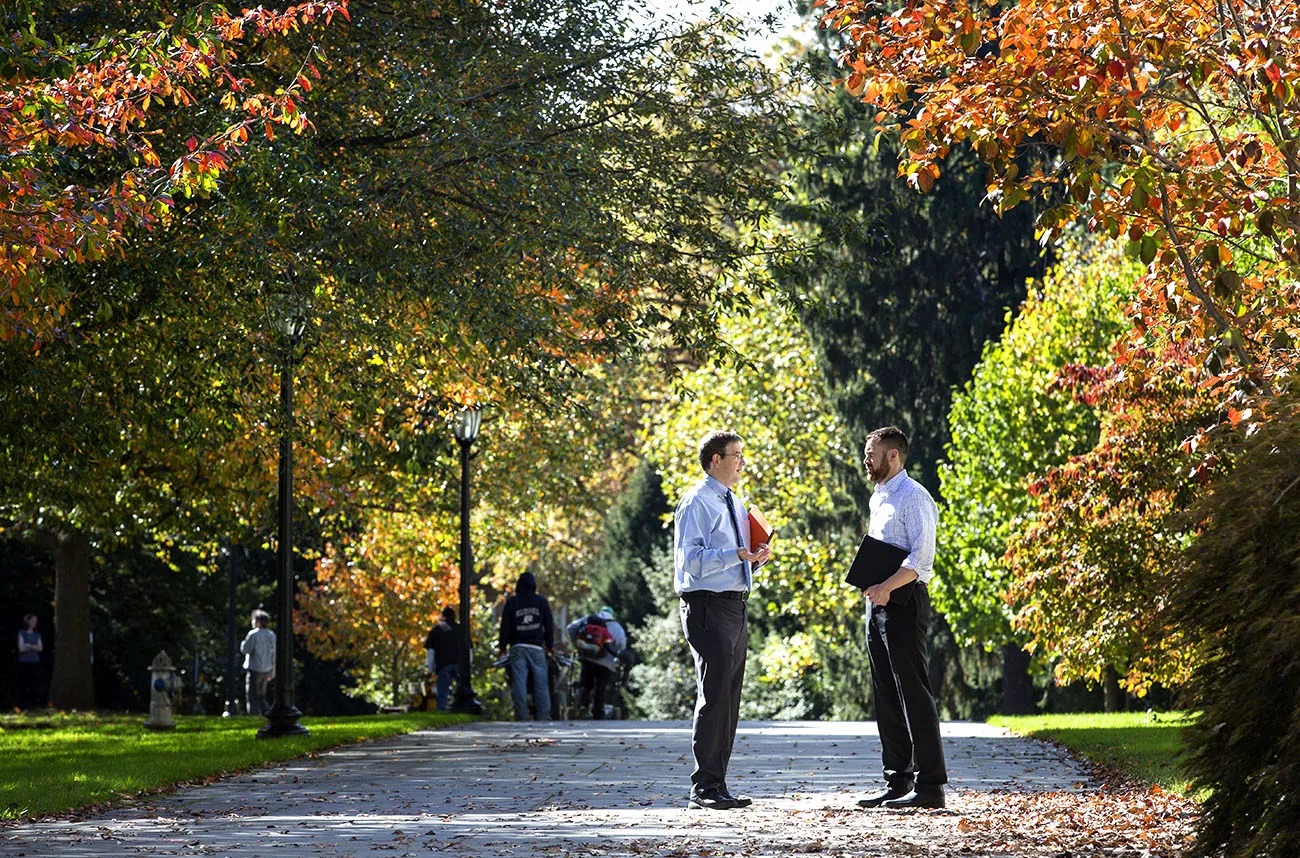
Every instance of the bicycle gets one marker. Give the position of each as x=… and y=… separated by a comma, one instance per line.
x=558, y=667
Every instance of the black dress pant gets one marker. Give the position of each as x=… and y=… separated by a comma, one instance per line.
x=717, y=632
x=595, y=678
x=900, y=685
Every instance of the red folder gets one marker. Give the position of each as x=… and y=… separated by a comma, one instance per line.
x=760, y=531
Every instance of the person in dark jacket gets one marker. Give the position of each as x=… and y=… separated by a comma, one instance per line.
x=442, y=647
x=527, y=632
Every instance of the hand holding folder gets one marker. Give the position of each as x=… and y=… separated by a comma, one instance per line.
x=874, y=563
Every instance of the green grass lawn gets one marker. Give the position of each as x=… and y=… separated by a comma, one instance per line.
x=1137, y=744
x=60, y=762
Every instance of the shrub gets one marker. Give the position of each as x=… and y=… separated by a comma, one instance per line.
x=1241, y=595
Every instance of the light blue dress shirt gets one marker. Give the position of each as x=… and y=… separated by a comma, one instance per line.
x=704, y=540
x=904, y=515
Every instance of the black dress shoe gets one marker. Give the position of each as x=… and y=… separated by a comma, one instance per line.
x=740, y=800
x=922, y=797
x=712, y=799
x=878, y=798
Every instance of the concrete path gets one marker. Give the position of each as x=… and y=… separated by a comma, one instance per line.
x=578, y=789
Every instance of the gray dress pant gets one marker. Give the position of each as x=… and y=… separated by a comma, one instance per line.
x=717, y=632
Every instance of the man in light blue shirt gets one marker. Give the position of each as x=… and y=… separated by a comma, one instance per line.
x=904, y=515
x=713, y=568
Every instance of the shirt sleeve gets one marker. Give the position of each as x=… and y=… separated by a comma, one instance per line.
x=548, y=626
x=695, y=557
x=920, y=523
x=507, y=624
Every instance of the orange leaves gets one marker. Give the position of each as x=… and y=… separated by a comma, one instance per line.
x=378, y=592
x=1154, y=822
x=923, y=176
x=1172, y=106
x=106, y=99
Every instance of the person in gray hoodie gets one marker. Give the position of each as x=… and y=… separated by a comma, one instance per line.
x=527, y=633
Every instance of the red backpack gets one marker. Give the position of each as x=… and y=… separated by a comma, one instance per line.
x=593, y=638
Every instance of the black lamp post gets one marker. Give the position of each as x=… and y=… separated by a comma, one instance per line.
x=282, y=720
x=467, y=426
x=232, y=661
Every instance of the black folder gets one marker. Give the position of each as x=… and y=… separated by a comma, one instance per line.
x=874, y=563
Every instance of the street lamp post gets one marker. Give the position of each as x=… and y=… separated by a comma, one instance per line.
x=282, y=720
x=467, y=426
x=232, y=687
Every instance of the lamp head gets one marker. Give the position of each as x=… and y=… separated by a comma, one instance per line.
x=467, y=423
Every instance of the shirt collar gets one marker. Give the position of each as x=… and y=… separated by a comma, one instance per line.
x=895, y=482
x=713, y=483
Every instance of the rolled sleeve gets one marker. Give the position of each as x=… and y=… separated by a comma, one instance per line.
x=921, y=523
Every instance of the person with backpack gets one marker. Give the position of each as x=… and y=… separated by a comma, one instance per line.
x=442, y=648
x=598, y=639
x=527, y=632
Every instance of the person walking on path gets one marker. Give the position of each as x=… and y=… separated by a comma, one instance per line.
x=258, y=648
x=904, y=515
x=30, y=647
x=713, y=574
x=527, y=632
x=598, y=639
x=442, y=648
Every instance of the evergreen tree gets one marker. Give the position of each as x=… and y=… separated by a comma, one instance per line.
x=899, y=300
x=634, y=532
x=907, y=287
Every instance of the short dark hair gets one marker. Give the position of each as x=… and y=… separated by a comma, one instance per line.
x=261, y=618
x=715, y=444
x=449, y=614
x=892, y=437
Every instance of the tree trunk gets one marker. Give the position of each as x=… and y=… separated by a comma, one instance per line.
x=1017, y=689
x=71, y=686
x=1112, y=694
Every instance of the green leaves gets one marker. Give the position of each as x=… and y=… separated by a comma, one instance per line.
x=1012, y=421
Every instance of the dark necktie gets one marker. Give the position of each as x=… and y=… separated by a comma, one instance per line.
x=735, y=527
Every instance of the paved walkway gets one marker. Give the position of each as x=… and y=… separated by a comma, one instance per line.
x=570, y=789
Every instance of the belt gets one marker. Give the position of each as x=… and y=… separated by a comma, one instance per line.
x=739, y=595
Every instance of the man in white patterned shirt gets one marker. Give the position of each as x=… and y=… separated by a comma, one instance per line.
x=898, y=618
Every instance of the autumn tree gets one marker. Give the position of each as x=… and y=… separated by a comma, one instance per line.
x=1171, y=128
x=105, y=96
x=88, y=164
x=902, y=290
x=1172, y=125
x=376, y=595
x=429, y=236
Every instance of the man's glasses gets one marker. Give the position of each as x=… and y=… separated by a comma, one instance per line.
x=740, y=456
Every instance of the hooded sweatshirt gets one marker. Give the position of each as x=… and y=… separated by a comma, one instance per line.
x=526, y=618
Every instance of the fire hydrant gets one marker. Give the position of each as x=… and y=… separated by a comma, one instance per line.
x=161, y=688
